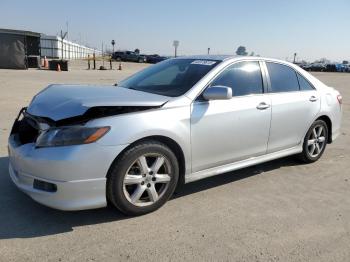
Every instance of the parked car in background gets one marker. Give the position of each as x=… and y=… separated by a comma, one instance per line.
x=331, y=68
x=320, y=67
x=181, y=120
x=336, y=68
x=153, y=59
x=341, y=68
x=347, y=67
x=128, y=56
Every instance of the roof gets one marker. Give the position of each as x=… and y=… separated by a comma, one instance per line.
x=18, y=32
x=208, y=57
x=233, y=57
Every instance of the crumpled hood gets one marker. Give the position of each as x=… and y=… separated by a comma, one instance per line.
x=64, y=101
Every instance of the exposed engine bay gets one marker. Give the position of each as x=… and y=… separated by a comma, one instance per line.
x=27, y=127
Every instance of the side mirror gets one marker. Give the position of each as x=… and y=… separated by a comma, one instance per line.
x=217, y=93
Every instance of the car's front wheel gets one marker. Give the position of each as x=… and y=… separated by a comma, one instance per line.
x=143, y=178
x=315, y=142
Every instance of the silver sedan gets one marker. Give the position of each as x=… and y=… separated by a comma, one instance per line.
x=78, y=147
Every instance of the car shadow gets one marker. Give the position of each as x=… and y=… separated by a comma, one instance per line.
x=21, y=217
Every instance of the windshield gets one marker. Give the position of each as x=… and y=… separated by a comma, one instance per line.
x=172, y=77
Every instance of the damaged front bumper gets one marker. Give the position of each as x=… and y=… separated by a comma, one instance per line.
x=78, y=173
x=65, y=177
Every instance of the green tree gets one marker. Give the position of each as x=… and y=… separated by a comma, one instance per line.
x=241, y=50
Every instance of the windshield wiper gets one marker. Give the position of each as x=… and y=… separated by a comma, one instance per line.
x=132, y=88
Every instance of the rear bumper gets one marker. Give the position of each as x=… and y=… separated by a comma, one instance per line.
x=79, y=173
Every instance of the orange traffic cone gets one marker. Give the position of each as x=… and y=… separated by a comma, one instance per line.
x=58, y=68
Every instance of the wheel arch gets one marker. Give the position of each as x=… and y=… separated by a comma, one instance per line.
x=172, y=144
x=328, y=122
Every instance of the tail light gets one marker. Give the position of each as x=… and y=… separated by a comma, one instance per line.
x=340, y=99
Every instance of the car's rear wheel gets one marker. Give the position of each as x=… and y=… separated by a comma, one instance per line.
x=143, y=178
x=315, y=142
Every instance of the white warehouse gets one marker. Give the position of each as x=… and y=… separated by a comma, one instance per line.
x=51, y=47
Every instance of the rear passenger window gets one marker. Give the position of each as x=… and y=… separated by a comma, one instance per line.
x=282, y=78
x=304, y=84
x=244, y=78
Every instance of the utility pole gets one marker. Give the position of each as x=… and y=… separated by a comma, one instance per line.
x=67, y=28
x=103, y=59
x=63, y=36
x=176, y=44
x=295, y=55
x=208, y=50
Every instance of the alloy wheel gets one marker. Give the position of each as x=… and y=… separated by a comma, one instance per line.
x=316, y=141
x=147, y=179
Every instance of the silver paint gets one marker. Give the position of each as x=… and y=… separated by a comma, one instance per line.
x=215, y=136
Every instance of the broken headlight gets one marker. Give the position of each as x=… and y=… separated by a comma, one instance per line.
x=74, y=135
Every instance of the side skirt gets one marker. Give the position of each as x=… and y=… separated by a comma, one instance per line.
x=242, y=164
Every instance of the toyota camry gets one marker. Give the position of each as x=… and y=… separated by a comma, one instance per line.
x=131, y=144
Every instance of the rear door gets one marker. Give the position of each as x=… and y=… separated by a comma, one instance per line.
x=295, y=103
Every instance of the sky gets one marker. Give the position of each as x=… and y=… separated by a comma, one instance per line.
x=271, y=28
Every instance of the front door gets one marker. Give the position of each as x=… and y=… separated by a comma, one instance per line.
x=226, y=131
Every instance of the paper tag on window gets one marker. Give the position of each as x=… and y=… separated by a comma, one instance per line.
x=203, y=62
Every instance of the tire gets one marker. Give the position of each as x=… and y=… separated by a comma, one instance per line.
x=135, y=191
x=314, y=143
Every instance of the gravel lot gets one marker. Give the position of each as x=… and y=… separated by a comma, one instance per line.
x=278, y=211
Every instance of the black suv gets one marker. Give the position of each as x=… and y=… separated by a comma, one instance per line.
x=128, y=56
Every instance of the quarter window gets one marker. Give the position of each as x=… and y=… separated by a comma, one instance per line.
x=243, y=78
x=282, y=78
x=304, y=84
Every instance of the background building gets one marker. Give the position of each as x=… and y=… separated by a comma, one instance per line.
x=52, y=46
x=22, y=49
x=18, y=49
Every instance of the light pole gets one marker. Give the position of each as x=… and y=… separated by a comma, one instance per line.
x=176, y=44
x=113, y=43
x=208, y=50
x=295, y=55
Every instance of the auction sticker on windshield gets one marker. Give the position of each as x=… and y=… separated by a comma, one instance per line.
x=203, y=62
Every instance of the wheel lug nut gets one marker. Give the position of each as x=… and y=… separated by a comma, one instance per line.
x=148, y=185
x=144, y=175
x=153, y=179
x=151, y=172
x=142, y=183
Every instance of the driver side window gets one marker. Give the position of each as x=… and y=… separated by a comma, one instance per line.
x=244, y=78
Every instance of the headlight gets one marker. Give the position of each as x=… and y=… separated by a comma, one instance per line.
x=74, y=135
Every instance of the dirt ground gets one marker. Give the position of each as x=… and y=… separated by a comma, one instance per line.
x=277, y=211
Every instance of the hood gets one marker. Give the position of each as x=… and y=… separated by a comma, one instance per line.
x=59, y=102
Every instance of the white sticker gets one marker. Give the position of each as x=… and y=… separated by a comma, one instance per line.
x=203, y=62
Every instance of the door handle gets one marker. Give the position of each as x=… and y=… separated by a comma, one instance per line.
x=313, y=99
x=263, y=106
